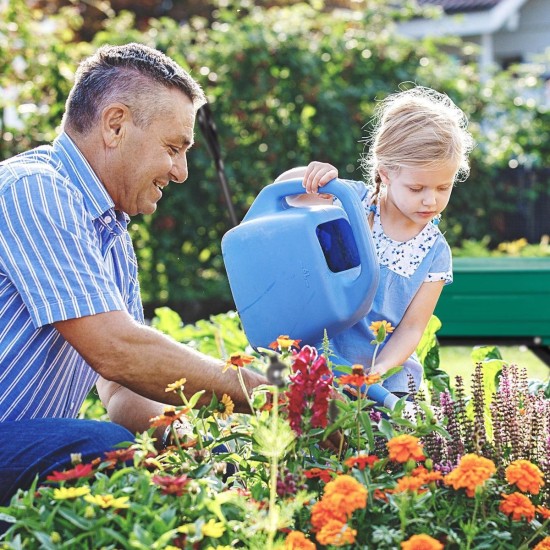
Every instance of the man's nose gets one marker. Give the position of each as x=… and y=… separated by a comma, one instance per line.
x=179, y=172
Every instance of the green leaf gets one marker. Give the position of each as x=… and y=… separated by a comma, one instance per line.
x=386, y=428
x=195, y=398
x=365, y=421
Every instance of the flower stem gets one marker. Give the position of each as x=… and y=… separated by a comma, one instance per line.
x=193, y=416
x=243, y=386
x=274, y=466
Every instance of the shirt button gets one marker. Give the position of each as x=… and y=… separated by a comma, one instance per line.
x=107, y=219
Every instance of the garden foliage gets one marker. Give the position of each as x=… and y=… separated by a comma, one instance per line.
x=286, y=85
x=459, y=472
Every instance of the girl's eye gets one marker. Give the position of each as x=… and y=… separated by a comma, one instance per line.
x=416, y=189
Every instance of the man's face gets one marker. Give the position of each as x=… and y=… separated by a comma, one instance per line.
x=148, y=159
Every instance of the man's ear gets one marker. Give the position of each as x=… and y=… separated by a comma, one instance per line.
x=114, y=119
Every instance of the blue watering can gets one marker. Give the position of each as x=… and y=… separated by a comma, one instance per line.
x=301, y=270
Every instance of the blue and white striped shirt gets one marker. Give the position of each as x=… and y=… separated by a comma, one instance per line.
x=64, y=253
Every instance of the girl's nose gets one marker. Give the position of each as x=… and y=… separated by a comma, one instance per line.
x=429, y=198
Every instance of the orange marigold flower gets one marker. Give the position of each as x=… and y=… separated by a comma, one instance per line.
x=544, y=544
x=404, y=447
x=296, y=540
x=544, y=512
x=421, y=542
x=361, y=461
x=432, y=476
x=322, y=512
x=472, y=472
x=336, y=533
x=517, y=506
x=346, y=494
x=408, y=483
x=284, y=342
x=237, y=360
x=525, y=475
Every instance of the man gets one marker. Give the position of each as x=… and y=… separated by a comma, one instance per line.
x=70, y=308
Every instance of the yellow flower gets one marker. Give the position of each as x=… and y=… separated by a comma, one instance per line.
x=108, y=501
x=225, y=407
x=176, y=386
x=64, y=493
x=525, y=475
x=213, y=529
x=55, y=537
x=284, y=342
x=381, y=329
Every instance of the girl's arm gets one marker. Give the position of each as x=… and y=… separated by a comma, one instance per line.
x=406, y=337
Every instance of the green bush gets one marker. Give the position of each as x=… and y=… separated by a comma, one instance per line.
x=286, y=85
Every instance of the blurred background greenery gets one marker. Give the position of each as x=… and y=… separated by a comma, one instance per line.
x=287, y=82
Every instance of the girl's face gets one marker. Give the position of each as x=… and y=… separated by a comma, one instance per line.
x=419, y=194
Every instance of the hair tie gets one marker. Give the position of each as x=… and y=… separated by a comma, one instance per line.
x=436, y=220
x=372, y=208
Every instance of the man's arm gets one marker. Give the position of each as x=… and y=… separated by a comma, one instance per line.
x=145, y=361
x=127, y=408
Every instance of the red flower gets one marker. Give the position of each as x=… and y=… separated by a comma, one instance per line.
x=309, y=390
x=321, y=473
x=79, y=471
x=361, y=461
x=171, y=485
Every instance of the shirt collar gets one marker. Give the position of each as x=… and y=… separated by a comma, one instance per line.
x=82, y=176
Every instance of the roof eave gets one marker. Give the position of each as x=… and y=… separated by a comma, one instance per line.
x=464, y=24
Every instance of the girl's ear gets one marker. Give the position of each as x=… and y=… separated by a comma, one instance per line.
x=383, y=175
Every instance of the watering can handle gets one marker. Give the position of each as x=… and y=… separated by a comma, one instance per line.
x=271, y=199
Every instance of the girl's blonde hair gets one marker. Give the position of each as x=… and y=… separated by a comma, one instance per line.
x=416, y=128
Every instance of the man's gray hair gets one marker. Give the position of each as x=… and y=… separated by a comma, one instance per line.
x=132, y=74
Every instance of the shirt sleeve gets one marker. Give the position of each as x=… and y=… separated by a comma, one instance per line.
x=441, y=268
x=51, y=252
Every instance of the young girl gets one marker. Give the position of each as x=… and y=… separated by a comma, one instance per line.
x=418, y=150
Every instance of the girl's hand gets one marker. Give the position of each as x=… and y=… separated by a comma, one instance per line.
x=317, y=175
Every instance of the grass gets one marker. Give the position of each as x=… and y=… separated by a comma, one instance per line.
x=457, y=360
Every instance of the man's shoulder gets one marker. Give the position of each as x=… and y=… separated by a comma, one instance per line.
x=35, y=166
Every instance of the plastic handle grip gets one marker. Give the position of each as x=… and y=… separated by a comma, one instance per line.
x=270, y=200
